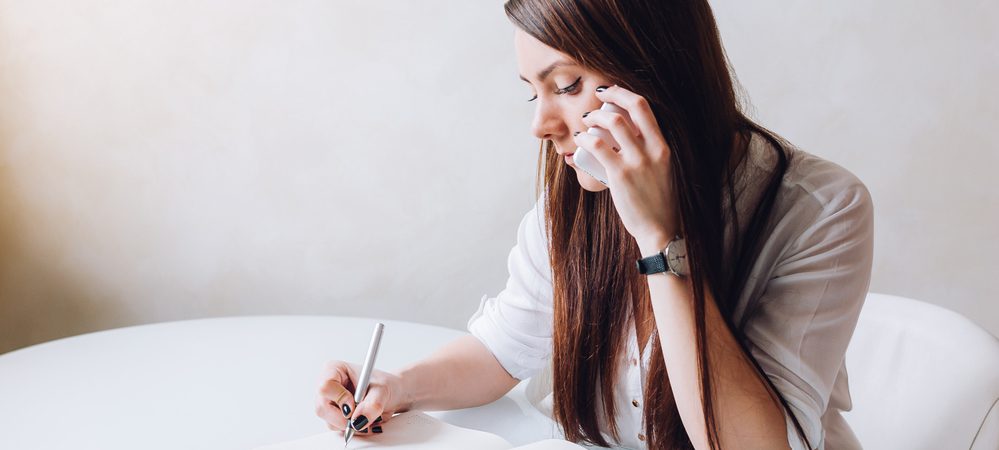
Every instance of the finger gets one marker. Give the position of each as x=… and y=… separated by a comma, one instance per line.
x=638, y=110
x=371, y=408
x=620, y=128
x=330, y=414
x=341, y=371
x=373, y=427
x=337, y=396
x=601, y=149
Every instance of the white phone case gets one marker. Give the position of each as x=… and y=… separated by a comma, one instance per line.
x=585, y=160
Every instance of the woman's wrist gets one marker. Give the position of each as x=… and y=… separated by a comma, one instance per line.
x=652, y=247
x=408, y=385
x=653, y=240
x=649, y=246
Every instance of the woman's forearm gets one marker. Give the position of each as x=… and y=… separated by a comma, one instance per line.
x=462, y=374
x=745, y=414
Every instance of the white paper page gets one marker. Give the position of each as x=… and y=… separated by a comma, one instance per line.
x=411, y=430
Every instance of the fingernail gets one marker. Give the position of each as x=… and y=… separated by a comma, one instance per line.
x=364, y=430
x=586, y=113
x=379, y=419
x=359, y=422
x=376, y=429
x=346, y=410
x=602, y=88
x=575, y=134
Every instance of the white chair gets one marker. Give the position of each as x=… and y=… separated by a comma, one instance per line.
x=922, y=377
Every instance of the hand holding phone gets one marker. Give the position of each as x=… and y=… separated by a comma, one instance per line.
x=585, y=160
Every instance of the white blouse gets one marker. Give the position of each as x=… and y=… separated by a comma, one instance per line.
x=803, y=296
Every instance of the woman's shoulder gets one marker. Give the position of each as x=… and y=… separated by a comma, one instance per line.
x=807, y=174
x=812, y=184
x=822, y=218
x=822, y=179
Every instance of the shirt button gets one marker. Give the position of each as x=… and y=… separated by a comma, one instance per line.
x=634, y=362
x=634, y=403
x=641, y=437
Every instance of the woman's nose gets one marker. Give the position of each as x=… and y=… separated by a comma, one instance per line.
x=547, y=121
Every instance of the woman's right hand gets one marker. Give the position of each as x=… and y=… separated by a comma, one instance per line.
x=384, y=398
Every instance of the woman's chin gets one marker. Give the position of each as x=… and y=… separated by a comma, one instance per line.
x=587, y=182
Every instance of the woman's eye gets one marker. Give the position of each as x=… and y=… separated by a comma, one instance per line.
x=568, y=89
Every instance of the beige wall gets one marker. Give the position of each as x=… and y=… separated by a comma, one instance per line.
x=166, y=160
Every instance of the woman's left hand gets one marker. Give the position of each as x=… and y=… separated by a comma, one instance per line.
x=639, y=176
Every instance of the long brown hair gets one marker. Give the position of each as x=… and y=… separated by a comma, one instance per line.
x=670, y=53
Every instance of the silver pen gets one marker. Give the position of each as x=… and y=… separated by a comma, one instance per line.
x=362, y=384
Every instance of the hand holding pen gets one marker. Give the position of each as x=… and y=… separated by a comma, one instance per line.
x=362, y=387
x=344, y=406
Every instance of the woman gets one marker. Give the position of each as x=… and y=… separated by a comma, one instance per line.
x=741, y=347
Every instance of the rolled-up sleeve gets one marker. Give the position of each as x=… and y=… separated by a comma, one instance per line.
x=809, y=309
x=516, y=325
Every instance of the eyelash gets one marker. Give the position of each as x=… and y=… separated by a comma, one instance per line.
x=565, y=90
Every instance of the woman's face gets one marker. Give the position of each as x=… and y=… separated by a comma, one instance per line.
x=562, y=91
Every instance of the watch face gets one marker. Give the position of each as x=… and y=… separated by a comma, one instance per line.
x=676, y=256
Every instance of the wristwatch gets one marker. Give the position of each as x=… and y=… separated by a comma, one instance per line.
x=672, y=259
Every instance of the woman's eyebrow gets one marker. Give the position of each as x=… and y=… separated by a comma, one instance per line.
x=548, y=70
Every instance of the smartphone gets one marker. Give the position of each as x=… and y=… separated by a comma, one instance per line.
x=585, y=160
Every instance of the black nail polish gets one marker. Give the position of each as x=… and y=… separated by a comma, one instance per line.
x=379, y=419
x=364, y=430
x=346, y=410
x=575, y=134
x=376, y=429
x=586, y=113
x=359, y=423
x=601, y=88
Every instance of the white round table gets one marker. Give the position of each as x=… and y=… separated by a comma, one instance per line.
x=221, y=383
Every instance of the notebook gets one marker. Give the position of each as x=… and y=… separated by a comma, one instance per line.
x=415, y=430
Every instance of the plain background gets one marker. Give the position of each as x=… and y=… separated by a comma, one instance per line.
x=166, y=160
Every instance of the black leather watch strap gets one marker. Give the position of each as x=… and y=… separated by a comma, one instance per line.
x=652, y=264
x=675, y=252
